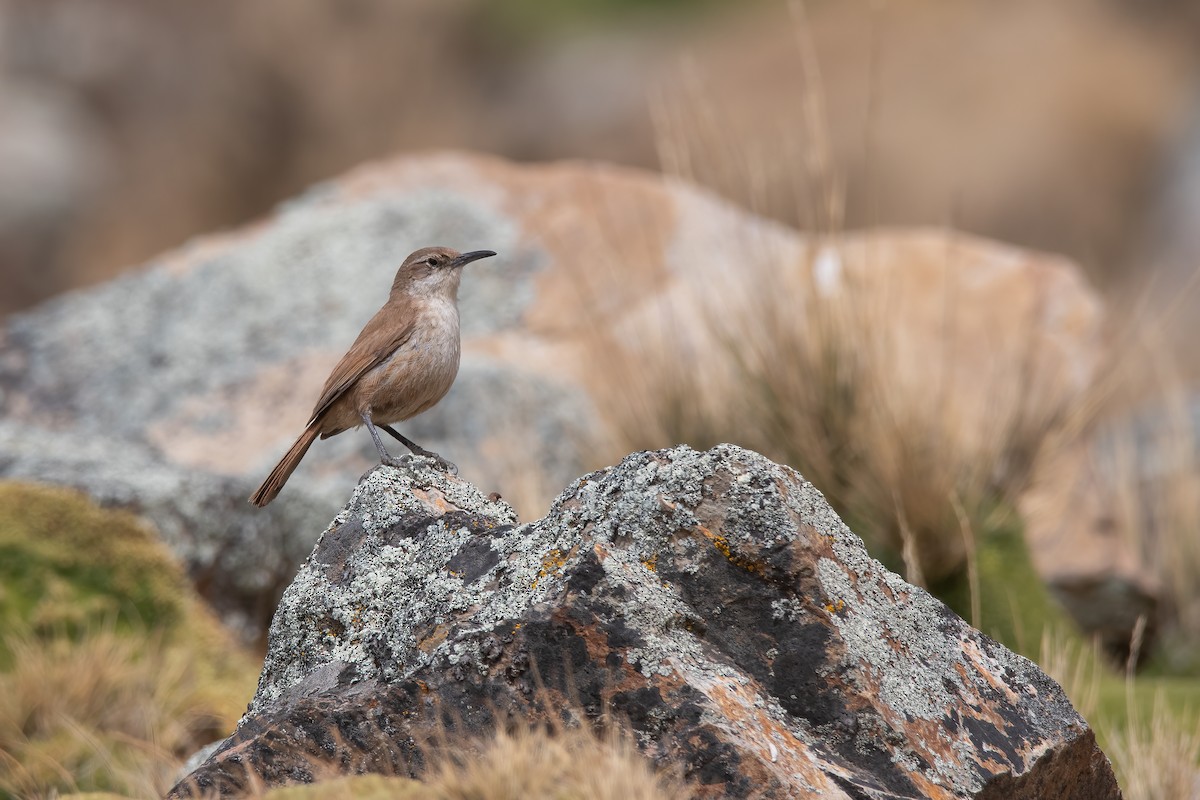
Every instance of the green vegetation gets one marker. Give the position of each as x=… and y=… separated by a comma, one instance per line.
x=520, y=21
x=1008, y=601
x=111, y=670
x=67, y=566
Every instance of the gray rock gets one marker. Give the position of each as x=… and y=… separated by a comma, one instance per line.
x=713, y=601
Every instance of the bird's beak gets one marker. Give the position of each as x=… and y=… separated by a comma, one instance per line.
x=474, y=255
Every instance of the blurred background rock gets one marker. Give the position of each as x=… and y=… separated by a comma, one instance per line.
x=128, y=125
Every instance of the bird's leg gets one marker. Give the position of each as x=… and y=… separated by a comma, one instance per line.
x=404, y=440
x=384, y=456
x=418, y=450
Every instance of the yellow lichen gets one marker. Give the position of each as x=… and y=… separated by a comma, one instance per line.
x=552, y=562
x=722, y=545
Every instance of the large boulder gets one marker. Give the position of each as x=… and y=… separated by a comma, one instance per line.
x=199, y=370
x=711, y=600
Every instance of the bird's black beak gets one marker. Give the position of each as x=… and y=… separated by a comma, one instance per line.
x=474, y=255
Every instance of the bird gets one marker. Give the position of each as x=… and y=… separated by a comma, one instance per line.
x=402, y=363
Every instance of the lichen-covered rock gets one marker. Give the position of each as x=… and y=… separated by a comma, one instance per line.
x=711, y=601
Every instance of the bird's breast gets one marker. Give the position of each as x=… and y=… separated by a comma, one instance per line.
x=422, y=370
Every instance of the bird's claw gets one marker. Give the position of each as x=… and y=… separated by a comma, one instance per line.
x=445, y=465
x=405, y=462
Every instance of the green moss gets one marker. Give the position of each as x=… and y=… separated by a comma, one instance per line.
x=67, y=565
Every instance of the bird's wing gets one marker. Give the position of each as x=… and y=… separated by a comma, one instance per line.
x=381, y=337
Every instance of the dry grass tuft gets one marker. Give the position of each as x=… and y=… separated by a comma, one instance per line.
x=1154, y=746
x=104, y=711
x=522, y=761
x=1158, y=758
x=111, y=669
x=825, y=380
x=515, y=762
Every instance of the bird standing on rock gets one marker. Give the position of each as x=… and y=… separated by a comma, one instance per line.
x=402, y=363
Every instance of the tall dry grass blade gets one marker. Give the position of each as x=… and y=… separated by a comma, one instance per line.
x=820, y=166
x=972, y=557
x=1156, y=759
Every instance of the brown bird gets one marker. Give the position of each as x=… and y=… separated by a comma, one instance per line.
x=402, y=363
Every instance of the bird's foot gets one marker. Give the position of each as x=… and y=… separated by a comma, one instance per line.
x=446, y=466
x=405, y=461
x=399, y=463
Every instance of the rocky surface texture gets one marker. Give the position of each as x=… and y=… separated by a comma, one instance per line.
x=712, y=601
x=199, y=370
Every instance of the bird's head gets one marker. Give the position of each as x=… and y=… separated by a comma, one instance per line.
x=434, y=271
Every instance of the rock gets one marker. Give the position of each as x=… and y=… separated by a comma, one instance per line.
x=1111, y=522
x=203, y=367
x=711, y=600
x=1091, y=561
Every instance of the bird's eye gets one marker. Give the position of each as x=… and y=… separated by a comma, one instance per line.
x=433, y=261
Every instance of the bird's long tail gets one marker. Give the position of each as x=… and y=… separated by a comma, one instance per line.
x=283, y=470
